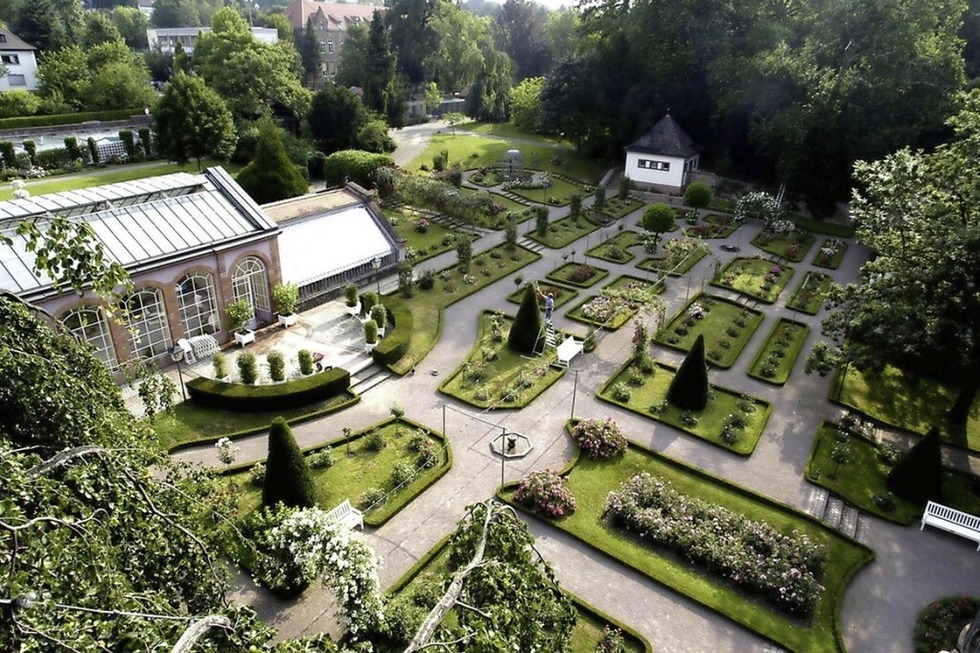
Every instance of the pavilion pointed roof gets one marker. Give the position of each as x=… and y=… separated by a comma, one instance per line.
x=665, y=138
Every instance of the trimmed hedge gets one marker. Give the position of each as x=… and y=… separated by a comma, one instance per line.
x=67, y=118
x=354, y=165
x=397, y=341
x=245, y=398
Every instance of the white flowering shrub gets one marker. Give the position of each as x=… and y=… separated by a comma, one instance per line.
x=762, y=205
x=227, y=451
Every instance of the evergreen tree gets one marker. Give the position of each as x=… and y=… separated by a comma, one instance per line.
x=379, y=68
x=689, y=389
x=287, y=475
x=918, y=475
x=526, y=329
x=271, y=176
x=310, y=53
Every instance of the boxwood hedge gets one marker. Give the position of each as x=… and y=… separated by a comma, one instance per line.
x=251, y=398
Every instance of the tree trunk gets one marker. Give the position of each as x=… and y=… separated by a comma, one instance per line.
x=959, y=414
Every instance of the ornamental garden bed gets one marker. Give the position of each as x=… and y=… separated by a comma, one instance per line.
x=861, y=480
x=680, y=255
x=615, y=249
x=830, y=254
x=939, y=625
x=563, y=232
x=912, y=403
x=559, y=193
x=591, y=481
x=616, y=303
x=809, y=295
x=493, y=375
x=779, y=352
x=590, y=624
x=710, y=231
x=792, y=245
x=450, y=285
x=731, y=420
x=726, y=326
x=561, y=294
x=381, y=469
x=755, y=277
x=423, y=237
x=581, y=275
x=616, y=208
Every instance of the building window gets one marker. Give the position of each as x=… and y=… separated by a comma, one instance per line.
x=148, y=323
x=650, y=164
x=198, y=305
x=3, y=38
x=11, y=59
x=89, y=325
x=329, y=47
x=251, y=283
x=16, y=80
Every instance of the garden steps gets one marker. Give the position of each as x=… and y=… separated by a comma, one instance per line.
x=367, y=377
x=459, y=225
x=838, y=515
x=532, y=245
x=817, y=502
x=515, y=197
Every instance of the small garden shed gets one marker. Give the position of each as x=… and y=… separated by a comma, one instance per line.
x=662, y=158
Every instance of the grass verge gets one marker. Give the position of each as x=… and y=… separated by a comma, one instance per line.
x=779, y=352
x=809, y=295
x=725, y=325
x=564, y=232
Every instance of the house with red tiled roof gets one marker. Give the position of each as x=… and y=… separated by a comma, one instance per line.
x=331, y=20
x=663, y=157
x=20, y=62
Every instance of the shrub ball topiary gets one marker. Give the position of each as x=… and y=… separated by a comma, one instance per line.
x=600, y=439
x=689, y=388
x=918, y=475
x=526, y=329
x=247, y=368
x=698, y=195
x=287, y=475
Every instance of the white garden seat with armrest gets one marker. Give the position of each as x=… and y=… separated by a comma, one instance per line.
x=952, y=520
x=347, y=515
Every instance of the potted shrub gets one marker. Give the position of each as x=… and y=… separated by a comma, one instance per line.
x=380, y=316
x=286, y=298
x=305, y=362
x=239, y=314
x=353, y=305
x=220, y=364
x=371, y=334
x=277, y=366
x=368, y=301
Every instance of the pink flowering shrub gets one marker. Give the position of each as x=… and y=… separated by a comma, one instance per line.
x=600, y=439
x=545, y=491
x=784, y=569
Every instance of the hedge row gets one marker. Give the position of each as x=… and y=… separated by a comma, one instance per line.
x=22, y=122
x=252, y=398
x=354, y=165
x=395, y=344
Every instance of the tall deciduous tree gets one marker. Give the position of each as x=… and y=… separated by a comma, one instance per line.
x=490, y=94
x=335, y=118
x=271, y=176
x=50, y=24
x=519, y=31
x=525, y=105
x=105, y=75
x=132, y=24
x=413, y=35
x=457, y=60
x=192, y=122
x=353, y=57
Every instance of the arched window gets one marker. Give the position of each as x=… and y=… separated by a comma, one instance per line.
x=198, y=305
x=148, y=322
x=251, y=283
x=89, y=325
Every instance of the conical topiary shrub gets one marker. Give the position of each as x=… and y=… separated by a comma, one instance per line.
x=287, y=475
x=526, y=329
x=918, y=475
x=689, y=389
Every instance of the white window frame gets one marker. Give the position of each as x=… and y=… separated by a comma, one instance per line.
x=198, y=305
x=147, y=319
x=653, y=164
x=89, y=325
x=250, y=282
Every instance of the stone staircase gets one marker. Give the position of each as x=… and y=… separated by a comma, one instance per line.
x=365, y=375
x=459, y=225
x=514, y=197
x=834, y=512
x=532, y=245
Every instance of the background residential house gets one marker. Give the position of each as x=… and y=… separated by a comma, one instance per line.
x=331, y=20
x=20, y=61
x=662, y=158
x=168, y=37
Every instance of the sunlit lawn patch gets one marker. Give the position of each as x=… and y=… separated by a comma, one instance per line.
x=564, y=231
x=616, y=303
x=591, y=481
x=434, y=240
x=792, y=245
x=726, y=327
x=615, y=249
x=558, y=194
x=616, y=208
x=779, y=352
x=809, y=295
x=830, y=254
x=582, y=275
x=755, y=277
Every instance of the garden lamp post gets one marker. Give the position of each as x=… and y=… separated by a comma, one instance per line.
x=177, y=355
x=376, y=264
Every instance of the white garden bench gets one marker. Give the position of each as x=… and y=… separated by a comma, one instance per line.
x=568, y=349
x=952, y=520
x=347, y=515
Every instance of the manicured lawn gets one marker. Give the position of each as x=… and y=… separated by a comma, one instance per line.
x=914, y=404
x=614, y=249
x=726, y=327
x=823, y=227
x=561, y=294
x=591, y=481
x=507, y=130
x=352, y=475
x=779, y=352
x=792, y=246
x=112, y=175
x=427, y=305
x=647, y=394
x=558, y=194
x=616, y=303
x=830, y=254
x=809, y=295
x=566, y=274
x=862, y=479
x=755, y=277
x=589, y=624
x=494, y=375
x=678, y=262
x=436, y=239
x=506, y=202
x=191, y=422
x=476, y=151
x=616, y=208
x=564, y=231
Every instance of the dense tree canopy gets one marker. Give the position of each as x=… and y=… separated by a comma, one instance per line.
x=192, y=122
x=335, y=118
x=107, y=75
x=519, y=31
x=271, y=176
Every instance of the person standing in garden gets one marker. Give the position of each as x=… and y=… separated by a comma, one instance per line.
x=549, y=306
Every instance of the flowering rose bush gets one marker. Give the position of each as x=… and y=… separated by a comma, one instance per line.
x=600, y=309
x=697, y=311
x=600, y=439
x=582, y=273
x=421, y=225
x=546, y=492
x=227, y=451
x=784, y=569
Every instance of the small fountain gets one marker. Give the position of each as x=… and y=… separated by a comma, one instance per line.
x=511, y=445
